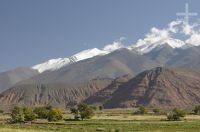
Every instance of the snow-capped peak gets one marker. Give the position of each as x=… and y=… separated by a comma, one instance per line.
x=157, y=37
x=55, y=64
x=190, y=34
x=88, y=54
x=52, y=64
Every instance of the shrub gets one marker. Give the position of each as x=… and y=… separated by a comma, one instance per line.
x=29, y=115
x=54, y=114
x=17, y=114
x=100, y=107
x=83, y=111
x=197, y=110
x=41, y=112
x=20, y=114
x=75, y=112
x=156, y=111
x=176, y=114
x=1, y=111
x=86, y=112
x=49, y=107
x=141, y=110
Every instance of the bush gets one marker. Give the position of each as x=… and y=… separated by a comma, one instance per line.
x=141, y=110
x=41, y=112
x=100, y=107
x=1, y=111
x=54, y=114
x=29, y=115
x=83, y=111
x=156, y=111
x=20, y=114
x=17, y=115
x=197, y=110
x=176, y=114
x=75, y=112
x=86, y=112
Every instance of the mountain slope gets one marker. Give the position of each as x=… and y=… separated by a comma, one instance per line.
x=55, y=64
x=188, y=58
x=161, y=54
x=105, y=94
x=51, y=94
x=115, y=64
x=9, y=78
x=159, y=87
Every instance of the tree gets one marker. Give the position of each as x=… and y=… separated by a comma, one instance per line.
x=86, y=112
x=100, y=107
x=29, y=115
x=176, y=114
x=83, y=111
x=41, y=112
x=156, y=111
x=1, y=111
x=17, y=114
x=54, y=114
x=48, y=107
x=142, y=110
x=75, y=112
x=179, y=112
x=197, y=110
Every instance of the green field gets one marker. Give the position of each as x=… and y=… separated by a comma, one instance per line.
x=117, y=120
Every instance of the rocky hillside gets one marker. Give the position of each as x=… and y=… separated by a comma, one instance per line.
x=10, y=78
x=61, y=94
x=159, y=87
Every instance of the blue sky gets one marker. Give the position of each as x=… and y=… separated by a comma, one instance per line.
x=33, y=31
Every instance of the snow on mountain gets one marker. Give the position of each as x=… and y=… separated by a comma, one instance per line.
x=189, y=35
x=55, y=64
x=88, y=54
x=52, y=64
x=158, y=37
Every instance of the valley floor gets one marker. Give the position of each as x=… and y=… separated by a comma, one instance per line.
x=110, y=121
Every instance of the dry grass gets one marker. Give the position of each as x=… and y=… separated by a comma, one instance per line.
x=20, y=130
x=109, y=120
x=131, y=117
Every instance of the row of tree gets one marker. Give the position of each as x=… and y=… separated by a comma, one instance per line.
x=22, y=114
x=82, y=111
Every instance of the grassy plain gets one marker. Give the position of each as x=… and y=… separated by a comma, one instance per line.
x=116, y=120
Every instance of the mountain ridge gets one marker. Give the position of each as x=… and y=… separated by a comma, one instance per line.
x=159, y=87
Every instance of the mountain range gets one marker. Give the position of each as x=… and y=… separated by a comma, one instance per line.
x=158, y=87
x=158, y=71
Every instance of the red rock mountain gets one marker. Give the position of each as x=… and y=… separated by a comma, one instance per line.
x=159, y=87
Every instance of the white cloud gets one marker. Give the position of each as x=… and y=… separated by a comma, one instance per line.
x=156, y=36
x=194, y=39
x=189, y=34
x=172, y=26
x=115, y=45
x=122, y=39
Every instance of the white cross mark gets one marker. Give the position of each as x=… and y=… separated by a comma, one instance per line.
x=186, y=14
